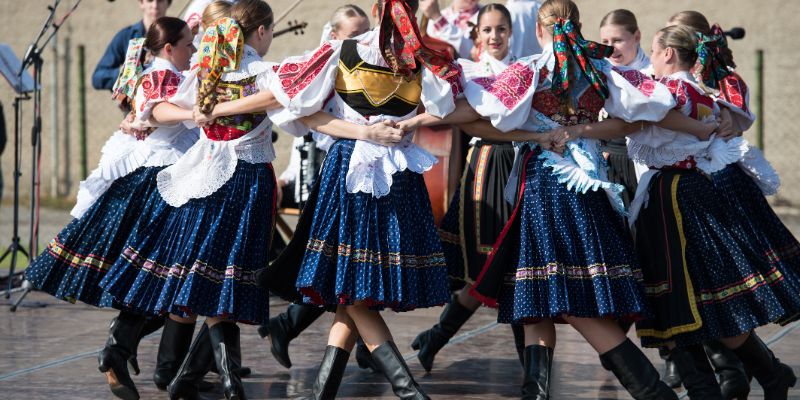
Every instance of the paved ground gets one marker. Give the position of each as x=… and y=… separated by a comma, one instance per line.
x=49, y=353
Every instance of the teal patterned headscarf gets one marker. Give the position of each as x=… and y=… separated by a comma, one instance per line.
x=569, y=44
x=714, y=68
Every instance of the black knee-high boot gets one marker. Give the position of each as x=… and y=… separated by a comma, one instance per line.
x=733, y=379
x=330, y=373
x=175, y=341
x=671, y=375
x=194, y=367
x=538, y=365
x=123, y=337
x=151, y=325
x=774, y=377
x=431, y=341
x=363, y=357
x=224, y=337
x=698, y=376
x=519, y=342
x=636, y=373
x=391, y=363
x=285, y=327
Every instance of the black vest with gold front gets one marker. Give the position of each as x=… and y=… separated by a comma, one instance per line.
x=374, y=90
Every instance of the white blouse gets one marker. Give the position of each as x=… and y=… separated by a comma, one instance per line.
x=371, y=165
x=209, y=164
x=123, y=154
x=507, y=101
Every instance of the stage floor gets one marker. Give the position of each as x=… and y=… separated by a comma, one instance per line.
x=50, y=353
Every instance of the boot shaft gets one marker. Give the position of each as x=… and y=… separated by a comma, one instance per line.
x=330, y=373
x=396, y=371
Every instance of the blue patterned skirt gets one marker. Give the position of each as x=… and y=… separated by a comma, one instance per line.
x=77, y=259
x=478, y=210
x=561, y=253
x=716, y=259
x=382, y=251
x=201, y=258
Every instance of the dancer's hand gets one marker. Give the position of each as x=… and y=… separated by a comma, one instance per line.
x=409, y=125
x=384, y=133
x=725, y=129
x=200, y=119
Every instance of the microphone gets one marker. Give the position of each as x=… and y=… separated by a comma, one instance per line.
x=735, y=33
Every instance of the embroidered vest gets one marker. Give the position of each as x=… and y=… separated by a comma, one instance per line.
x=374, y=90
x=235, y=126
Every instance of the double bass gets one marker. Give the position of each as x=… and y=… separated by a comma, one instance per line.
x=445, y=142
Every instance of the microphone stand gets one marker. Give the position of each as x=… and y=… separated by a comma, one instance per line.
x=33, y=57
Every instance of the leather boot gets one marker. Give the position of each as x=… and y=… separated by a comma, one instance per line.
x=636, y=373
x=671, y=376
x=123, y=336
x=175, y=341
x=151, y=325
x=330, y=373
x=286, y=326
x=194, y=367
x=431, y=341
x=733, y=380
x=363, y=357
x=243, y=372
x=774, y=377
x=225, y=337
x=519, y=342
x=391, y=363
x=698, y=376
x=538, y=365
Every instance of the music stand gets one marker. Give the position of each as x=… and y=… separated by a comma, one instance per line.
x=23, y=84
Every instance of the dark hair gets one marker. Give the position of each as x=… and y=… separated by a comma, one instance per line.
x=414, y=4
x=250, y=14
x=165, y=30
x=488, y=8
x=622, y=17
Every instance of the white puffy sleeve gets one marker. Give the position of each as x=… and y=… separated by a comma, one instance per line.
x=302, y=85
x=735, y=96
x=505, y=99
x=634, y=96
x=439, y=94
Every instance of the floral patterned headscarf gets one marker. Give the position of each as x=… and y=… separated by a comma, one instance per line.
x=710, y=58
x=403, y=49
x=569, y=44
x=220, y=51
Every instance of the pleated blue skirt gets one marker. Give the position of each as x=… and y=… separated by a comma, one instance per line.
x=202, y=258
x=79, y=257
x=384, y=251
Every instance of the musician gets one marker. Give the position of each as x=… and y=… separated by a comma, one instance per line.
x=106, y=71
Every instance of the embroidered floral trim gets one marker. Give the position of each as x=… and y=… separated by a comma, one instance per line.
x=199, y=267
x=375, y=257
x=574, y=272
x=295, y=77
x=510, y=86
x=77, y=260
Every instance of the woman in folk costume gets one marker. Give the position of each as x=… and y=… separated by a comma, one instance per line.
x=211, y=228
x=347, y=22
x=565, y=255
x=115, y=199
x=367, y=241
x=620, y=30
x=478, y=210
x=453, y=24
x=737, y=264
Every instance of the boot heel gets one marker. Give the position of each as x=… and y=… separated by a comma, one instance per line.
x=415, y=344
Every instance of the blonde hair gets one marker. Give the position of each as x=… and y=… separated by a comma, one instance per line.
x=682, y=39
x=553, y=10
x=214, y=11
x=345, y=12
x=621, y=17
